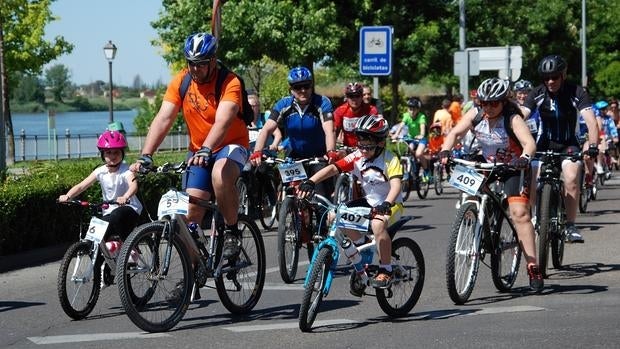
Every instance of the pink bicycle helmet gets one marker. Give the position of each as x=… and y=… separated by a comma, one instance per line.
x=111, y=140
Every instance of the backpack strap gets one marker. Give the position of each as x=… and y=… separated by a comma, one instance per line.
x=222, y=74
x=187, y=79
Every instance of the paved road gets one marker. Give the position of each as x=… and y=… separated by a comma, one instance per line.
x=580, y=306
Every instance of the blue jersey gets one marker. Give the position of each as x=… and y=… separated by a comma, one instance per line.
x=303, y=127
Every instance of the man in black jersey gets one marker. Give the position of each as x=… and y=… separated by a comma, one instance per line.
x=559, y=103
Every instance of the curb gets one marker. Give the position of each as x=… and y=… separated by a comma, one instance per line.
x=33, y=257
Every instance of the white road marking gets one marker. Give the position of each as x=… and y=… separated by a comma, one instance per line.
x=95, y=337
x=287, y=325
x=500, y=310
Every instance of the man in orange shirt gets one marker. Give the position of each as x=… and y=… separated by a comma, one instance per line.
x=444, y=117
x=218, y=137
x=455, y=108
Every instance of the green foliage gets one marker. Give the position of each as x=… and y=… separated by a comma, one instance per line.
x=608, y=81
x=29, y=89
x=57, y=79
x=146, y=113
x=31, y=218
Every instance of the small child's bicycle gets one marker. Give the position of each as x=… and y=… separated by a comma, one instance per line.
x=85, y=263
x=407, y=264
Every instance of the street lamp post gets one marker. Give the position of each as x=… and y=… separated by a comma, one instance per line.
x=109, y=50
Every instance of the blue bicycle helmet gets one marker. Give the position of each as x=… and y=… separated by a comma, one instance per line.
x=298, y=75
x=200, y=47
x=600, y=105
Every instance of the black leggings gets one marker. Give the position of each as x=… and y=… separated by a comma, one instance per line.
x=122, y=221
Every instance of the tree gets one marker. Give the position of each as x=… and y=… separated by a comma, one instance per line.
x=29, y=89
x=24, y=49
x=137, y=83
x=58, y=80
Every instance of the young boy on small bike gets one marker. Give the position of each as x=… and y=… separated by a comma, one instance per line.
x=117, y=184
x=380, y=174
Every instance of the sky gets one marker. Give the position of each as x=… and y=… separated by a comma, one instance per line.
x=90, y=24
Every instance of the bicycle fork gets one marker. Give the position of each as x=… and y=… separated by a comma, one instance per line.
x=331, y=244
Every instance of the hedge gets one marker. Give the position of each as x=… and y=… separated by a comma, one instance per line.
x=31, y=218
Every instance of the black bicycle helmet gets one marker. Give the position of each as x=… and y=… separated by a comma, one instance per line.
x=353, y=89
x=552, y=64
x=372, y=126
x=494, y=89
x=414, y=102
x=522, y=85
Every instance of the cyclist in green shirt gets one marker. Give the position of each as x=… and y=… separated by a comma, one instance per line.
x=416, y=121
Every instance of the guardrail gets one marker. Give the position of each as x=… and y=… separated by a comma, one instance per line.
x=68, y=146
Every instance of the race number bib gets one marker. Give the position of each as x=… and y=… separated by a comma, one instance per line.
x=253, y=135
x=466, y=179
x=96, y=230
x=348, y=124
x=354, y=218
x=532, y=125
x=173, y=202
x=292, y=172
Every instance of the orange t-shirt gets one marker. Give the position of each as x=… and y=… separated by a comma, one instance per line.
x=455, y=111
x=199, y=108
x=434, y=144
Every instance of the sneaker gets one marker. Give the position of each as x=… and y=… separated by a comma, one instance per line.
x=572, y=235
x=383, y=279
x=232, y=246
x=536, y=279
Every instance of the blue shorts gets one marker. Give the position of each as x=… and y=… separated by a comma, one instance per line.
x=198, y=177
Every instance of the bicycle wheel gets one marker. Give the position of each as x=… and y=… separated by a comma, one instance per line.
x=506, y=255
x=313, y=289
x=288, y=240
x=155, y=290
x=544, y=222
x=463, y=257
x=244, y=199
x=407, y=182
x=423, y=187
x=409, y=272
x=583, y=199
x=438, y=177
x=342, y=191
x=268, y=203
x=79, y=281
x=557, y=241
x=241, y=285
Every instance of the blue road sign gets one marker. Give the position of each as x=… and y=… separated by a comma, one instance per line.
x=376, y=50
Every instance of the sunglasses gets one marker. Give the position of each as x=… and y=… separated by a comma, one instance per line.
x=491, y=103
x=300, y=87
x=367, y=147
x=353, y=95
x=555, y=77
x=199, y=64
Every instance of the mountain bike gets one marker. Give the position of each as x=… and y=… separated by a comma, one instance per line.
x=85, y=263
x=297, y=220
x=258, y=192
x=551, y=209
x=174, y=259
x=412, y=180
x=437, y=175
x=345, y=183
x=407, y=264
x=482, y=225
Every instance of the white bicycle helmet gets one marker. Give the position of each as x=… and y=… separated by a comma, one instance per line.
x=493, y=89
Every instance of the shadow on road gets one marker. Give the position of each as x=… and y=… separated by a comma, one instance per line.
x=13, y=305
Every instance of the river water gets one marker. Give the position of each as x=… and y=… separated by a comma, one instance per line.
x=78, y=123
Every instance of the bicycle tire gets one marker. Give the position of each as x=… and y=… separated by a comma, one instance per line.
x=164, y=299
x=422, y=188
x=268, y=204
x=438, y=176
x=78, y=299
x=407, y=183
x=342, y=191
x=288, y=240
x=506, y=256
x=544, y=222
x=409, y=272
x=244, y=199
x=583, y=199
x=557, y=241
x=240, y=289
x=313, y=290
x=463, y=252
